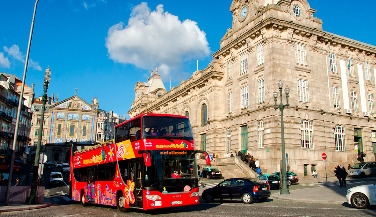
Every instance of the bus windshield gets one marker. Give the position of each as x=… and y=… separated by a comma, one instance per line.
x=172, y=171
x=163, y=127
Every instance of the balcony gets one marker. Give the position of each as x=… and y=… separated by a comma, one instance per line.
x=6, y=135
x=5, y=117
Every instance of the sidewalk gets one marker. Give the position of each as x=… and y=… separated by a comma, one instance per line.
x=322, y=191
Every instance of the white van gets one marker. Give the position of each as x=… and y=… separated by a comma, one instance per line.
x=363, y=169
x=56, y=178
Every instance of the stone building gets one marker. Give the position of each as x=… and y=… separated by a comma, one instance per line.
x=10, y=90
x=106, y=124
x=70, y=120
x=231, y=103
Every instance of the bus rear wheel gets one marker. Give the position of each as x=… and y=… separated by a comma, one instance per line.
x=120, y=202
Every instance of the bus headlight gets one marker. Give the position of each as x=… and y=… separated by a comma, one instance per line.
x=153, y=197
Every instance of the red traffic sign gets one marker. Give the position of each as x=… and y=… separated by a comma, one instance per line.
x=323, y=155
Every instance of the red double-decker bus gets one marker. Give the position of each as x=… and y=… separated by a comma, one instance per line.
x=151, y=164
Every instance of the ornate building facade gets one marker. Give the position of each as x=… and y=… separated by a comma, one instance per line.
x=231, y=105
x=70, y=120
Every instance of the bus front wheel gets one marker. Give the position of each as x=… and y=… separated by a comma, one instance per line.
x=83, y=199
x=120, y=202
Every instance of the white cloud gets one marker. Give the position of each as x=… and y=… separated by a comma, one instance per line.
x=4, y=62
x=156, y=38
x=15, y=53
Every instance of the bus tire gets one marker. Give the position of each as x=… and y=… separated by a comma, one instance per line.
x=83, y=199
x=120, y=202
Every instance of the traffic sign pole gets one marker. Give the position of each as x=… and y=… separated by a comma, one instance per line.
x=323, y=156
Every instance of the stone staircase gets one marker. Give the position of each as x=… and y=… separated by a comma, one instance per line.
x=231, y=167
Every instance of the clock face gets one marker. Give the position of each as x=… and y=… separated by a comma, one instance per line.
x=244, y=12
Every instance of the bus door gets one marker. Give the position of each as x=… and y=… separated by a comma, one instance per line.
x=136, y=172
x=91, y=184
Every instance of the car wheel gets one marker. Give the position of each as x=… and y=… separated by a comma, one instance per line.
x=359, y=201
x=247, y=198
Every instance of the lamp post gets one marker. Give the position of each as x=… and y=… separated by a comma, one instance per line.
x=32, y=198
x=20, y=105
x=281, y=106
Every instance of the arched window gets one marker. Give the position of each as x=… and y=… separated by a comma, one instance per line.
x=204, y=115
x=187, y=114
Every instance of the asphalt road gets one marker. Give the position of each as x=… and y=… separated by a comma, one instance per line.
x=233, y=209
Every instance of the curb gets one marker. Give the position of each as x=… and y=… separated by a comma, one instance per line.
x=23, y=207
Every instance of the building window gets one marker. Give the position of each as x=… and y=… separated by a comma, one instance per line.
x=300, y=53
x=59, y=130
x=367, y=72
x=350, y=67
x=336, y=97
x=229, y=69
x=354, y=100
x=306, y=129
x=204, y=115
x=339, y=138
x=260, y=134
x=71, y=130
x=203, y=142
x=187, y=114
x=303, y=90
x=229, y=99
x=244, y=97
x=243, y=64
x=332, y=62
x=84, y=131
x=297, y=10
x=260, y=54
x=244, y=138
x=370, y=103
x=261, y=90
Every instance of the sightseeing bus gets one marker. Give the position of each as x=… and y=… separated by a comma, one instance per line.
x=151, y=164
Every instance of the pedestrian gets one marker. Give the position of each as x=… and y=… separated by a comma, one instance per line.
x=314, y=174
x=343, y=176
x=257, y=163
x=338, y=171
x=348, y=167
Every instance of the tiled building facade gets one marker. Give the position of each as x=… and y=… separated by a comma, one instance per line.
x=231, y=105
x=70, y=120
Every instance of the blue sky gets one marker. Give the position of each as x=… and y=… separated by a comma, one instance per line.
x=103, y=47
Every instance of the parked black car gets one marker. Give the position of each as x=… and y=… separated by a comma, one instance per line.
x=211, y=173
x=292, y=178
x=238, y=189
x=275, y=181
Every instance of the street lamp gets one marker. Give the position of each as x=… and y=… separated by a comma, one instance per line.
x=281, y=106
x=32, y=198
x=20, y=105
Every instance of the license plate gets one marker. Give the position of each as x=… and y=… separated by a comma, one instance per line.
x=264, y=188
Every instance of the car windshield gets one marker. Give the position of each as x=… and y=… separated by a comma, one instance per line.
x=211, y=169
x=56, y=176
x=357, y=166
x=273, y=178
